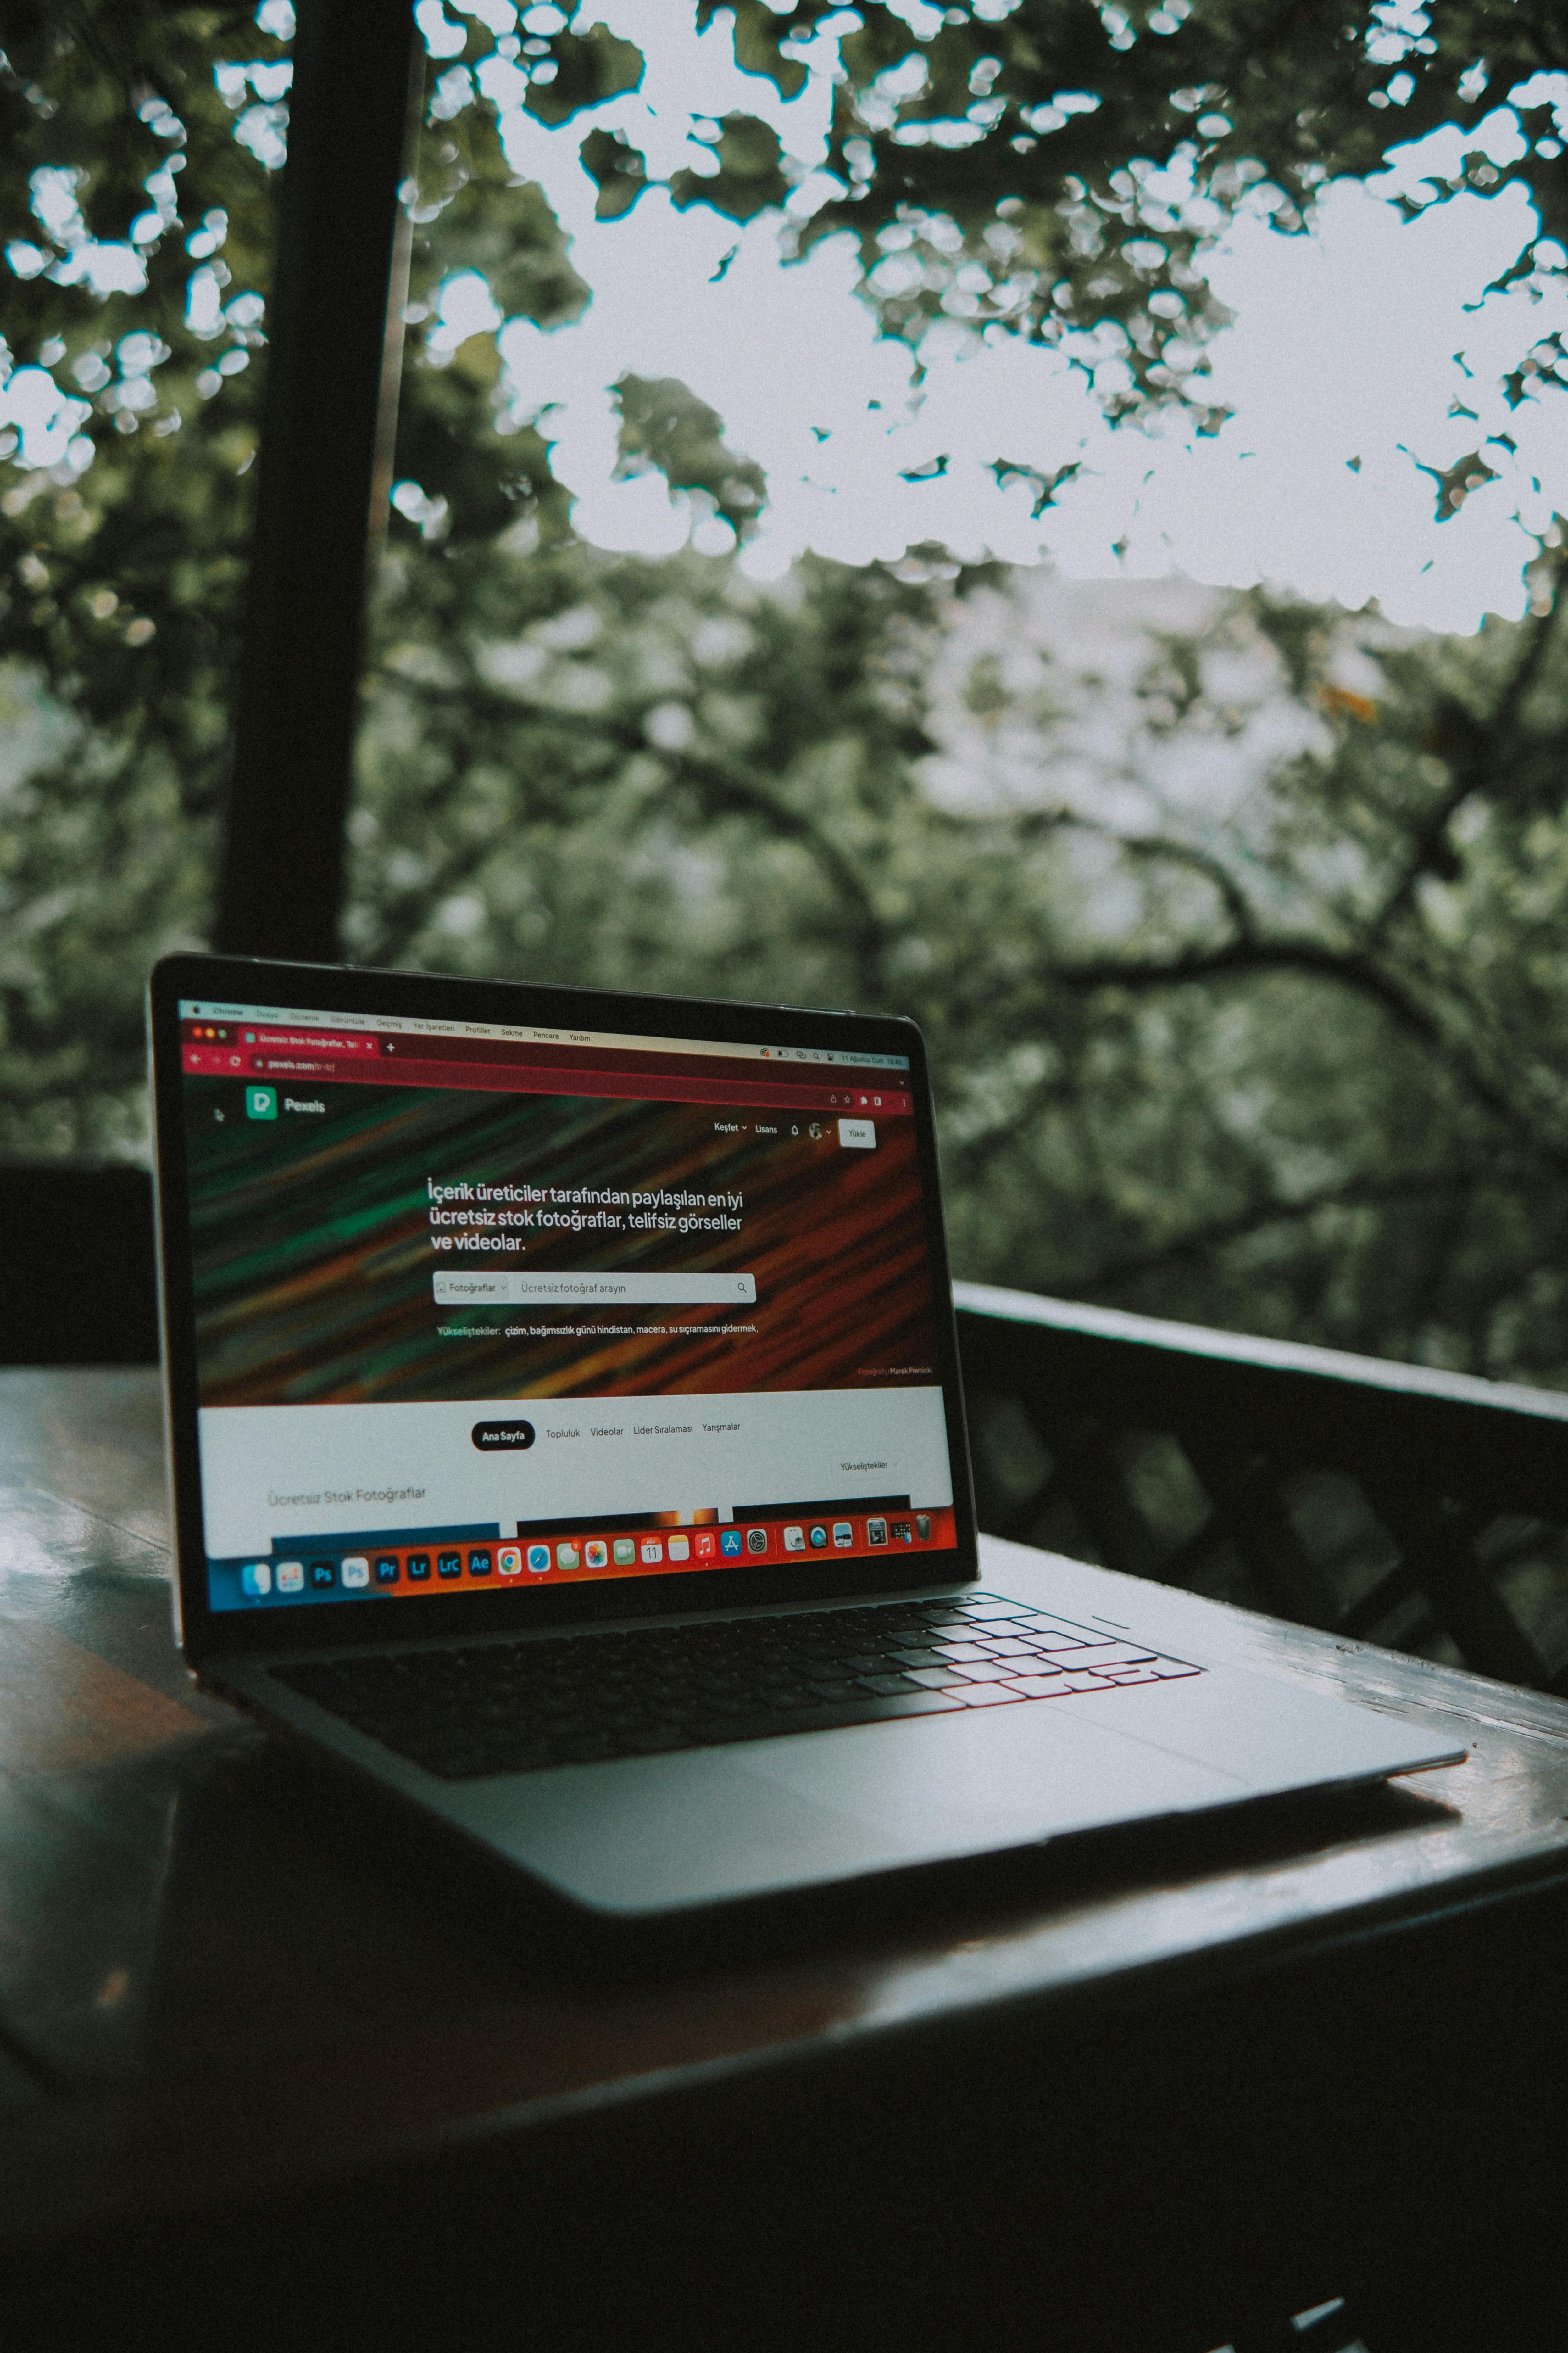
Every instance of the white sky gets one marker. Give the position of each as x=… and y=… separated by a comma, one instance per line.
x=1345, y=347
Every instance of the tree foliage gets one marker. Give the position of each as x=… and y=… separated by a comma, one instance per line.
x=1296, y=1067
x=1084, y=153
x=1297, y=1072
x=137, y=217
x=1058, y=168
x=1061, y=168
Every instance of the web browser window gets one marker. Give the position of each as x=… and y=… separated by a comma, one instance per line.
x=481, y=1307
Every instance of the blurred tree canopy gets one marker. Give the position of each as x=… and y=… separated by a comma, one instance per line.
x=1297, y=1072
x=1057, y=167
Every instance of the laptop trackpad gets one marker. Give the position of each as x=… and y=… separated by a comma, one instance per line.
x=951, y=1784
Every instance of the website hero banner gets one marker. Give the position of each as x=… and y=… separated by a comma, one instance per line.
x=356, y=1243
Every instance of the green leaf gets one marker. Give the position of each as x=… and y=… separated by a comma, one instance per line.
x=749, y=179
x=1455, y=482
x=618, y=170
x=758, y=32
x=510, y=236
x=589, y=68
x=665, y=428
x=1043, y=486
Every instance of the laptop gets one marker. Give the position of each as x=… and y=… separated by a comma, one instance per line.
x=566, y=1432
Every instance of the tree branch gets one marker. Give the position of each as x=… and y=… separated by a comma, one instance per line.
x=731, y=784
x=1154, y=847
x=721, y=783
x=1346, y=968
x=1489, y=749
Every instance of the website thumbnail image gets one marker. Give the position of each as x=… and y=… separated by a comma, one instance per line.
x=378, y=1564
x=369, y=1241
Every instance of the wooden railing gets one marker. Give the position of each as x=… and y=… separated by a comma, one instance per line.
x=1388, y=1502
x=1421, y=1509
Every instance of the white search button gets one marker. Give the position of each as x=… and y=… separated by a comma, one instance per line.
x=859, y=1132
x=484, y=1287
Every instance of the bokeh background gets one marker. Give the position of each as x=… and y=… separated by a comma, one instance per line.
x=1040, y=517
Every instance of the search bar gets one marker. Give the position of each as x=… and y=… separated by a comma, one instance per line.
x=483, y=1289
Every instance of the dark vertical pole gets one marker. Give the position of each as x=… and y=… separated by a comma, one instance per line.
x=334, y=332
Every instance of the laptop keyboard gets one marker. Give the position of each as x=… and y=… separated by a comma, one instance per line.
x=583, y=1698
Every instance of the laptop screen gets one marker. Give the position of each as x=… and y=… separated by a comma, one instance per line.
x=481, y=1307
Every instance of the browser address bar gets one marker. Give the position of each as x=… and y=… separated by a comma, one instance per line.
x=483, y=1288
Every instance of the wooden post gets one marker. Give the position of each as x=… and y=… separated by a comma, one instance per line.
x=335, y=344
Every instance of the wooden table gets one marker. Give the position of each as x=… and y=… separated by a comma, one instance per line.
x=267, y=2045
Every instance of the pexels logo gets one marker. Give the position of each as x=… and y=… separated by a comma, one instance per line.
x=502, y=1437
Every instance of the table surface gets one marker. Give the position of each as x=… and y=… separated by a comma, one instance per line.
x=198, y=1923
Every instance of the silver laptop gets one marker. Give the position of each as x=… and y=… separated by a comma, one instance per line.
x=566, y=1430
